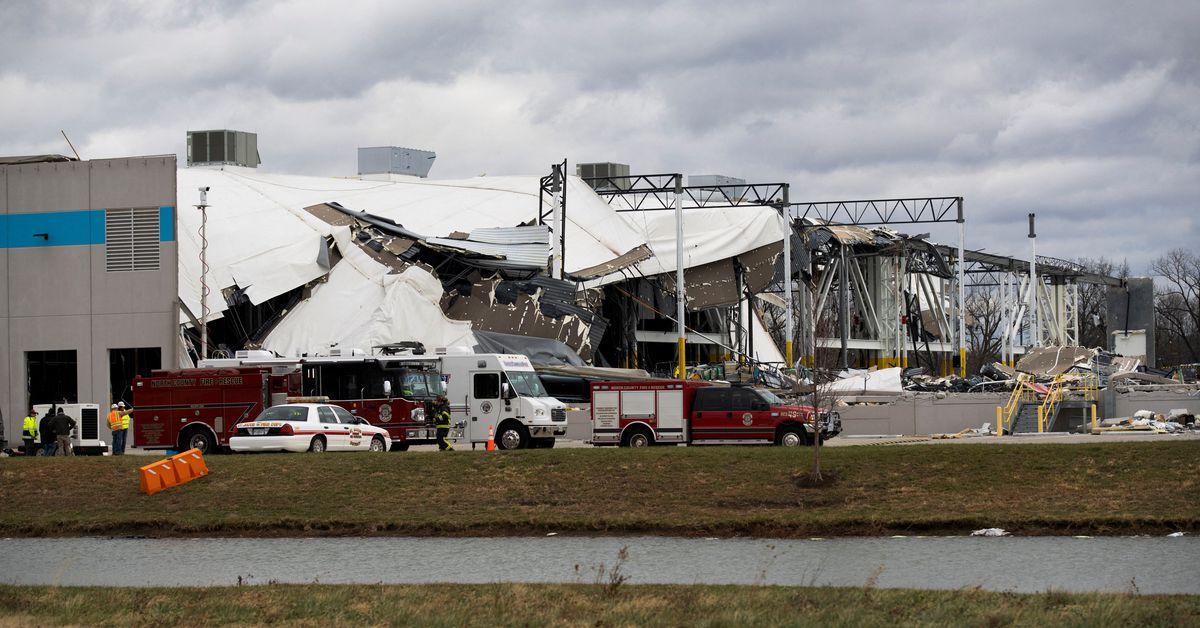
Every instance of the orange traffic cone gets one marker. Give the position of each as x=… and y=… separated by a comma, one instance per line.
x=491, y=446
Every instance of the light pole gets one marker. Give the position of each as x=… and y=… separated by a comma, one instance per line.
x=203, y=207
x=680, y=289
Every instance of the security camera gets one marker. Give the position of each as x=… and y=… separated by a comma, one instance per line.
x=205, y=188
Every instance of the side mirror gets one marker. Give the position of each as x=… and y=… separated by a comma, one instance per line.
x=506, y=391
x=387, y=388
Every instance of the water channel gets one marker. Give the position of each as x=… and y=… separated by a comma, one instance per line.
x=1024, y=564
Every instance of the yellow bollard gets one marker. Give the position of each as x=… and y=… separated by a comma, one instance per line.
x=1039, y=419
x=999, y=422
x=1094, y=423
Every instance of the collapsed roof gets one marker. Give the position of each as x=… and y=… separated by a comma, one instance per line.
x=402, y=258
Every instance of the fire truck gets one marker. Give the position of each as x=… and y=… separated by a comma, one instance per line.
x=199, y=407
x=650, y=412
x=392, y=389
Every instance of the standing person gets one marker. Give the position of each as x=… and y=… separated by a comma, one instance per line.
x=125, y=418
x=63, y=425
x=46, y=429
x=114, y=424
x=441, y=421
x=29, y=433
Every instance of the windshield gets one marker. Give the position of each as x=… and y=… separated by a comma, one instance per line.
x=771, y=397
x=526, y=383
x=284, y=413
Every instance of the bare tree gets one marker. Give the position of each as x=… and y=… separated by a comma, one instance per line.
x=985, y=317
x=1093, y=300
x=1177, y=304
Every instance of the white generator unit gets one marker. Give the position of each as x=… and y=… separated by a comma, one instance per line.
x=85, y=438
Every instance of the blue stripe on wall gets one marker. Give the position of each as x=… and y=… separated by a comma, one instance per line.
x=68, y=228
x=166, y=224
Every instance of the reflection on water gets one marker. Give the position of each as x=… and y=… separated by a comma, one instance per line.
x=1151, y=565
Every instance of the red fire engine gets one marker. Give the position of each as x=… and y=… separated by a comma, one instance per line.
x=643, y=413
x=198, y=408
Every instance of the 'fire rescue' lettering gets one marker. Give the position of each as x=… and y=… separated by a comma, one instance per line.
x=189, y=382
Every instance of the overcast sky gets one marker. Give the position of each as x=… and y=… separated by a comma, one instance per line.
x=1087, y=113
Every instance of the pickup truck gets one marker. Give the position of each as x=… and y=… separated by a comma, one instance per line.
x=650, y=412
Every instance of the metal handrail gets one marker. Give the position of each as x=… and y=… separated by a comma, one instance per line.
x=1020, y=393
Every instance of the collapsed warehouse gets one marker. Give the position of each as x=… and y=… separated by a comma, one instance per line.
x=304, y=265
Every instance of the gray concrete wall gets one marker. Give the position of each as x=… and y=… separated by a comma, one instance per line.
x=1136, y=298
x=921, y=413
x=1155, y=401
x=59, y=295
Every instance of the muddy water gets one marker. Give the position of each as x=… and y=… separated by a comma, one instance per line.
x=1147, y=565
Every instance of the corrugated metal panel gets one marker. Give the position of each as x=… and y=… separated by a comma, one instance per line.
x=535, y=234
x=519, y=254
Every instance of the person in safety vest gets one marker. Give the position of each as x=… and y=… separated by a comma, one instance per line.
x=29, y=433
x=441, y=421
x=118, y=422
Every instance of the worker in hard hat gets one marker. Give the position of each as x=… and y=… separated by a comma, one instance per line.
x=29, y=433
x=121, y=432
x=441, y=421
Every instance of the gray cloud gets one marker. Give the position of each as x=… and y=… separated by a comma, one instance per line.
x=1084, y=112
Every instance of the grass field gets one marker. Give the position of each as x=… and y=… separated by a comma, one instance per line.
x=1105, y=488
x=592, y=605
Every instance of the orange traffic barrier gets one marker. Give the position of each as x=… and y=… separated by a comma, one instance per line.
x=491, y=444
x=189, y=465
x=157, y=476
x=176, y=470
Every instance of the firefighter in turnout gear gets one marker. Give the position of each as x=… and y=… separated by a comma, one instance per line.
x=29, y=433
x=441, y=421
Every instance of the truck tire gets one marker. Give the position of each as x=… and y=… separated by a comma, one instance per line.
x=637, y=437
x=377, y=444
x=317, y=446
x=199, y=438
x=512, y=435
x=791, y=436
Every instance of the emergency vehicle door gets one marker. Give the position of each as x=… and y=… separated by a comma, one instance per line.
x=751, y=415
x=337, y=436
x=483, y=409
x=711, y=413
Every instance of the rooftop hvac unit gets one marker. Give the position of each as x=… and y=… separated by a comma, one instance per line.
x=617, y=173
x=223, y=147
x=395, y=160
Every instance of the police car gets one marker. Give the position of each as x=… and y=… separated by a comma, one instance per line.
x=311, y=427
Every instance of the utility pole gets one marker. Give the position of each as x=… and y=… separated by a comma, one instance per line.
x=680, y=290
x=788, y=329
x=962, y=292
x=556, y=251
x=203, y=207
x=1036, y=341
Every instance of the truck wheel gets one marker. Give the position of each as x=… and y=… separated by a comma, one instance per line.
x=512, y=436
x=201, y=439
x=378, y=445
x=637, y=438
x=317, y=445
x=790, y=437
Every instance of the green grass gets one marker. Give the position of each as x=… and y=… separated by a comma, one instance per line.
x=580, y=605
x=1103, y=488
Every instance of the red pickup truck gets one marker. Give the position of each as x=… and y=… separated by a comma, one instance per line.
x=644, y=413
